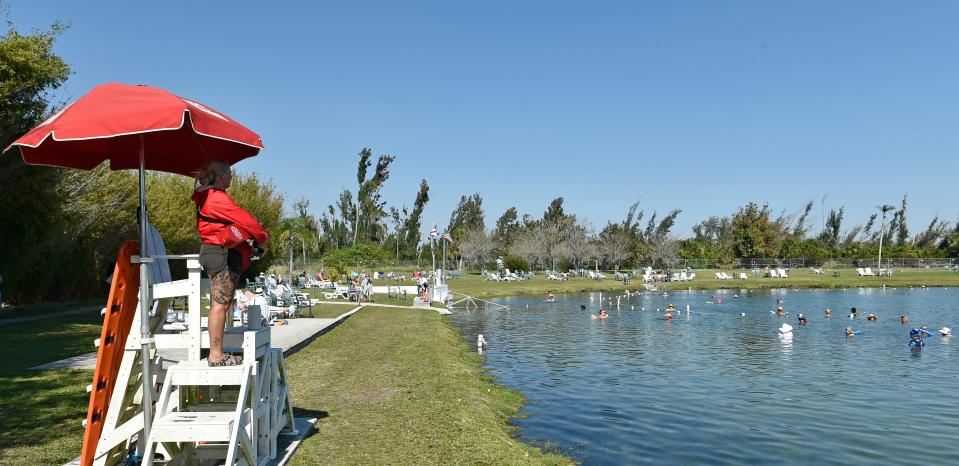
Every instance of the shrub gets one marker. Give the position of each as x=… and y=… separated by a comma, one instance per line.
x=516, y=263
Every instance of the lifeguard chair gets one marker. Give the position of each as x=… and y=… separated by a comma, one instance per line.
x=203, y=415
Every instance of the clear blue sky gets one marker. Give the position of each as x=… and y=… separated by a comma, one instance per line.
x=700, y=106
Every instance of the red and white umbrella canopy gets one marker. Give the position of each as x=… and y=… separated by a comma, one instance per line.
x=179, y=135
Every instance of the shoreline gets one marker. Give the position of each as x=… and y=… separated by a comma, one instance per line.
x=476, y=286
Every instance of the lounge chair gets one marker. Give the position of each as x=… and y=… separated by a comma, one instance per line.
x=719, y=276
x=692, y=276
x=861, y=272
x=783, y=273
x=869, y=272
x=773, y=273
x=683, y=277
x=742, y=276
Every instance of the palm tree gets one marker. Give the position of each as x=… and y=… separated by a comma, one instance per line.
x=885, y=208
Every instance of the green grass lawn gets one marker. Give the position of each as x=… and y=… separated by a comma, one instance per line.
x=48, y=308
x=395, y=386
x=41, y=411
x=475, y=285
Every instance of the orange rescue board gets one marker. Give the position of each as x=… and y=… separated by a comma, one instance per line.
x=121, y=307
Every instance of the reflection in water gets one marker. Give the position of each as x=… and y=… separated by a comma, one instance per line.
x=717, y=384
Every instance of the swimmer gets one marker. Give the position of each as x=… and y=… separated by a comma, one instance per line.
x=853, y=313
x=549, y=298
x=582, y=307
x=780, y=311
x=670, y=308
x=828, y=313
x=786, y=332
x=667, y=316
x=872, y=316
x=849, y=332
x=904, y=319
x=917, y=337
x=802, y=319
x=945, y=332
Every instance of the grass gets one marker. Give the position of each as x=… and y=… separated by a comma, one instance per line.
x=394, y=386
x=41, y=411
x=475, y=285
x=48, y=308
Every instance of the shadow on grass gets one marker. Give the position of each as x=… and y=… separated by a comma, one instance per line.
x=309, y=414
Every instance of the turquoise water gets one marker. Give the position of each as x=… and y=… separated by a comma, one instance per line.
x=715, y=387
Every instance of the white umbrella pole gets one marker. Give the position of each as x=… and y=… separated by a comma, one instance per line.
x=145, y=339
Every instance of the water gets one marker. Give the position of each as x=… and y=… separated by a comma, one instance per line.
x=714, y=387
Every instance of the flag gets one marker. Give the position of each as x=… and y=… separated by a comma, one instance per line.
x=447, y=237
x=433, y=232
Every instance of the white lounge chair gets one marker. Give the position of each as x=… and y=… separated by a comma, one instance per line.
x=783, y=273
x=861, y=272
x=719, y=276
x=683, y=277
x=773, y=273
x=869, y=272
x=692, y=276
x=743, y=276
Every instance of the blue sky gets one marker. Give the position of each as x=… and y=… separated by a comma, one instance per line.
x=701, y=106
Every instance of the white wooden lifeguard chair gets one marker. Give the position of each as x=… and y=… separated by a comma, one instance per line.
x=203, y=415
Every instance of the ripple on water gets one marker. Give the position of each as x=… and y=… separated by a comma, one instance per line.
x=716, y=387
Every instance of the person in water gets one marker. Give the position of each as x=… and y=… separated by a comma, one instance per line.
x=780, y=311
x=849, y=332
x=667, y=316
x=904, y=319
x=917, y=337
x=853, y=313
x=802, y=319
x=872, y=316
x=603, y=314
x=828, y=313
x=582, y=307
x=549, y=298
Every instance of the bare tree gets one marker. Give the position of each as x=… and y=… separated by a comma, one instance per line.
x=477, y=246
x=663, y=250
x=615, y=248
x=529, y=245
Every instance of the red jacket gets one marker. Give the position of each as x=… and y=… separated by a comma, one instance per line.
x=215, y=203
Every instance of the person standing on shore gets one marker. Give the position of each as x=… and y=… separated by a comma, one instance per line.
x=223, y=263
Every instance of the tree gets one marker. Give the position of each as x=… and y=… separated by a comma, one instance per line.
x=507, y=226
x=467, y=216
x=477, y=246
x=412, y=228
x=830, y=234
x=663, y=251
x=614, y=246
x=554, y=212
x=31, y=222
x=902, y=230
x=530, y=245
x=754, y=234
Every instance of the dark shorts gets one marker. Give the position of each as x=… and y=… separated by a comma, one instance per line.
x=223, y=266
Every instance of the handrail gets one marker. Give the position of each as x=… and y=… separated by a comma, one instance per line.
x=472, y=300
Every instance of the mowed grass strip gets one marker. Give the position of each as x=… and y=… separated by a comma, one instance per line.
x=41, y=411
x=397, y=386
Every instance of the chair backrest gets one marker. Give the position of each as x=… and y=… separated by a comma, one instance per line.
x=160, y=268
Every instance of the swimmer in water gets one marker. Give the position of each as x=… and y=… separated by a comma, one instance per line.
x=917, y=337
x=602, y=314
x=802, y=319
x=904, y=319
x=582, y=307
x=945, y=332
x=853, y=313
x=828, y=313
x=667, y=316
x=780, y=311
x=872, y=316
x=849, y=332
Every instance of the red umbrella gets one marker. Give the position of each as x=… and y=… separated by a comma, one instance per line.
x=138, y=127
x=109, y=123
